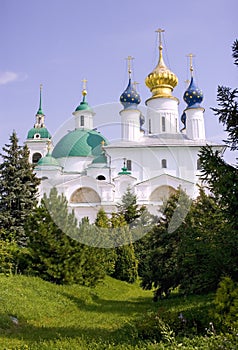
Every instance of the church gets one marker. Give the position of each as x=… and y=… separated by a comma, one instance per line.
x=153, y=157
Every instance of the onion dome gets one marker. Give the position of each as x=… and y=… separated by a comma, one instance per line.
x=79, y=143
x=130, y=97
x=193, y=96
x=161, y=81
x=38, y=133
x=48, y=160
x=84, y=106
x=101, y=159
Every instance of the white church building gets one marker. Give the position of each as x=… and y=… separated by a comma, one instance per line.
x=153, y=157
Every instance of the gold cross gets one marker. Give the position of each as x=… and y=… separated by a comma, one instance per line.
x=84, y=81
x=129, y=59
x=160, y=31
x=190, y=55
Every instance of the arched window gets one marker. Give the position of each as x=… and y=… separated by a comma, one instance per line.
x=129, y=164
x=164, y=163
x=149, y=126
x=199, y=167
x=82, y=120
x=101, y=177
x=163, y=124
x=162, y=193
x=85, y=195
x=36, y=157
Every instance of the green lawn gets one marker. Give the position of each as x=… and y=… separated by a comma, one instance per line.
x=75, y=317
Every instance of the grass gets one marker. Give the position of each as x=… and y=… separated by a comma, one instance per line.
x=75, y=317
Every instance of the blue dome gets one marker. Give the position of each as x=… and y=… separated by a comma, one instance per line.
x=193, y=96
x=130, y=97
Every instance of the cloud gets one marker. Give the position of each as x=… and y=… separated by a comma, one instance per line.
x=9, y=77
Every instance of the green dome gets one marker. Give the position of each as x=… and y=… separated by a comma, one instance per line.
x=48, y=160
x=100, y=159
x=34, y=132
x=79, y=143
x=83, y=107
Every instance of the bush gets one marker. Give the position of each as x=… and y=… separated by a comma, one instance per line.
x=8, y=257
x=226, y=305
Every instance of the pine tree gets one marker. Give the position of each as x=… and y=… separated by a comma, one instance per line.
x=160, y=269
x=222, y=178
x=56, y=253
x=102, y=219
x=126, y=265
x=129, y=207
x=18, y=190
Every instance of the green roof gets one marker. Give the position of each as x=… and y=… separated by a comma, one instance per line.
x=43, y=132
x=79, y=143
x=48, y=160
x=100, y=159
x=83, y=107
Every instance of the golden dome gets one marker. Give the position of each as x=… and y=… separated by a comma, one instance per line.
x=161, y=81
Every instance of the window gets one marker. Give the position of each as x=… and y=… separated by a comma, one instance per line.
x=199, y=164
x=36, y=157
x=82, y=120
x=164, y=163
x=37, y=136
x=101, y=177
x=128, y=164
x=149, y=126
x=163, y=124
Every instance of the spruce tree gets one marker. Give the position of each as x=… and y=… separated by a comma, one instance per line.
x=18, y=190
x=126, y=265
x=55, y=251
x=129, y=207
x=222, y=178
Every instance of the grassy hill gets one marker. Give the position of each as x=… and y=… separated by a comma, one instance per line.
x=38, y=315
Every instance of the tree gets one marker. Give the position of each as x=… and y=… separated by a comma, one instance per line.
x=221, y=177
x=160, y=269
x=18, y=190
x=121, y=257
x=55, y=254
x=129, y=207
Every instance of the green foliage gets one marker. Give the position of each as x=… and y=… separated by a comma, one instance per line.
x=53, y=317
x=161, y=269
x=129, y=207
x=225, y=310
x=221, y=177
x=195, y=255
x=18, y=190
x=54, y=253
x=126, y=266
x=102, y=219
x=8, y=257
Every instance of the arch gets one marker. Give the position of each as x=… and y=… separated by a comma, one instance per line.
x=162, y=193
x=36, y=157
x=85, y=195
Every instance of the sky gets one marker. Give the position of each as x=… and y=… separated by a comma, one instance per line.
x=58, y=43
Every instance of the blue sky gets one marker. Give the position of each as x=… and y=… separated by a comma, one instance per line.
x=60, y=42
